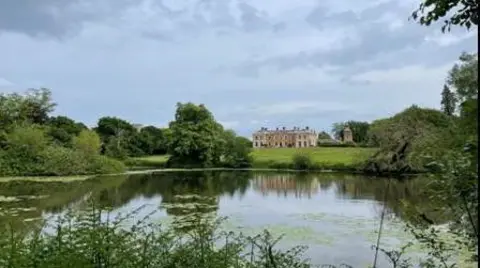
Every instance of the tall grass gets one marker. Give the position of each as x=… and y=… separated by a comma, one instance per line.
x=85, y=240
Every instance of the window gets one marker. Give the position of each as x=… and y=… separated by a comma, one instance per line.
x=256, y=144
x=305, y=143
x=299, y=144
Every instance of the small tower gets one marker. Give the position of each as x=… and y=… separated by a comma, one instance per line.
x=347, y=134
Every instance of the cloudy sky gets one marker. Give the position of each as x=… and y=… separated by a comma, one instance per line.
x=252, y=62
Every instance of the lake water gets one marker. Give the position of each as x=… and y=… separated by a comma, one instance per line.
x=336, y=216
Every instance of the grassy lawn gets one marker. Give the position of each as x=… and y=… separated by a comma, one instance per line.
x=325, y=157
x=152, y=161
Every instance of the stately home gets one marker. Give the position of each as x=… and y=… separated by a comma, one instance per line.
x=296, y=137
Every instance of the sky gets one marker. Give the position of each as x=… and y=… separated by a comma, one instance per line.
x=253, y=63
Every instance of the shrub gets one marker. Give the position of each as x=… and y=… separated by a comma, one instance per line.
x=61, y=161
x=23, y=148
x=87, y=142
x=28, y=153
x=302, y=161
x=115, y=148
x=84, y=240
x=100, y=164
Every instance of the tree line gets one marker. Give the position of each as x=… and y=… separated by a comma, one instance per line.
x=34, y=142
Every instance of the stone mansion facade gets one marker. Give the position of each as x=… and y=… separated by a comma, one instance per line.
x=285, y=138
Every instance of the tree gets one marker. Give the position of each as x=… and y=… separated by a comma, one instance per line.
x=23, y=151
x=197, y=139
x=337, y=130
x=87, y=142
x=463, y=13
x=116, y=148
x=62, y=129
x=108, y=127
x=463, y=77
x=359, y=130
x=153, y=140
x=33, y=107
x=448, y=101
x=324, y=136
x=37, y=105
x=463, y=80
x=237, y=151
x=124, y=133
x=405, y=139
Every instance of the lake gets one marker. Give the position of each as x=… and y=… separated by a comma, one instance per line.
x=337, y=216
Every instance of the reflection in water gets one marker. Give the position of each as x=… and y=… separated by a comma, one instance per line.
x=187, y=193
x=284, y=184
x=317, y=209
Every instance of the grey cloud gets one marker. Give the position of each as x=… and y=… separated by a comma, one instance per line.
x=251, y=18
x=52, y=17
x=62, y=18
x=375, y=41
x=278, y=27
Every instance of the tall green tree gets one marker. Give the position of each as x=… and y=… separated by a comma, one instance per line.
x=463, y=80
x=87, y=142
x=197, y=139
x=62, y=129
x=337, y=130
x=33, y=106
x=448, y=101
x=405, y=138
x=237, y=151
x=108, y=127
x=124, y=134
x=359, y=130
x=153, y=140
x=463, y=13
x=324, y=136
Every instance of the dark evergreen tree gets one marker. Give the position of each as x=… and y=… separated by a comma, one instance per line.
x=448, y=101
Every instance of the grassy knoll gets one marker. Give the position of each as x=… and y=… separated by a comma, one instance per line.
x=338, y=158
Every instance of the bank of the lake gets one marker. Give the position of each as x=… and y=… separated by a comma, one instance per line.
x=323, y=158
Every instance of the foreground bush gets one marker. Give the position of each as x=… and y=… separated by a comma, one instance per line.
x=83, y=240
